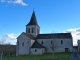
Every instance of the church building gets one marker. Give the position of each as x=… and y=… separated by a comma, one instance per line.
x=32, y=42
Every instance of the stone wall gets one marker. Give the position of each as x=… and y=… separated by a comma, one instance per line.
x=24, y=45
x=34, y=30
x=58, y=47
x=38, y=51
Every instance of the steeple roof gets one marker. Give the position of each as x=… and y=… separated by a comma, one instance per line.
x=33, y=20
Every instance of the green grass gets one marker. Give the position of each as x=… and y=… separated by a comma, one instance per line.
x=57, y=56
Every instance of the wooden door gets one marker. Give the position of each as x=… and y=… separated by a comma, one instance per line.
x=66, y=49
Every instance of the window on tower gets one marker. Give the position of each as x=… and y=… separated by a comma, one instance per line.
x=28, y=30
x=32, y=30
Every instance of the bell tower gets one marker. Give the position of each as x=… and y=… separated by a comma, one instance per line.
x=32, y=27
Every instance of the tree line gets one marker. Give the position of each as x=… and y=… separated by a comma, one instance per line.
x=7, y=49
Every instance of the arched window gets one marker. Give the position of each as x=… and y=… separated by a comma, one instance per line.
x=32, y=30
x=51, y=41
x=38, y=31
x=42, y=42
x=18, y=45
x=35, y=50
x=22, y=43
x=61, y=41
x=28, y=30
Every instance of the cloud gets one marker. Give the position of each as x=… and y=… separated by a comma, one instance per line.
x=15, y=2
x=4, y=42
x=75, y=34
x=11, y=36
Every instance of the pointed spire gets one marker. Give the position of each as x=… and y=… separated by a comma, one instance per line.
x=33, y=20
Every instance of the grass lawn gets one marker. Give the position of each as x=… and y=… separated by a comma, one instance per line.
x=57, y=56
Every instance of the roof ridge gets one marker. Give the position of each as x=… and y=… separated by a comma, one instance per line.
x=55, y=33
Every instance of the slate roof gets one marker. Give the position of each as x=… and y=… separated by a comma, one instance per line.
x=37, y=45
x=50, y=36
x=33, y=20
x=30, y=36
x=54, y=35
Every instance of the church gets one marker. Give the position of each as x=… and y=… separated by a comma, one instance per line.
x=32, y=42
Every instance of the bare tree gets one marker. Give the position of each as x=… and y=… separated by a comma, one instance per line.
x=54, y=45
x=1, y=48
x=9, y=49
x=5, y=47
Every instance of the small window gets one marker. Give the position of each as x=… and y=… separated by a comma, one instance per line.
x=28, y=30
x=61, y=41
x=35, y=50
x=28, y=42
x=32, y=30
x=23, y=44
x=18, y=45
x=38, y=31
x=51, y=41
x=42, y=42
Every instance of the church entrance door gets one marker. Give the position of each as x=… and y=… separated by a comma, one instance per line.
x=66, y=50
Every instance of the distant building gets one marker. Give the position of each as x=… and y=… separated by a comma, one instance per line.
x=32, y=42
x=78, y=45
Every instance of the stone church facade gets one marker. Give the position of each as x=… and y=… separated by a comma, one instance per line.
x=32, y=42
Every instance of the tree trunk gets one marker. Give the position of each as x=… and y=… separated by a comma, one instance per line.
x=1, y=55
x=53, y=55
x=53, y=50
x=9, y=54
